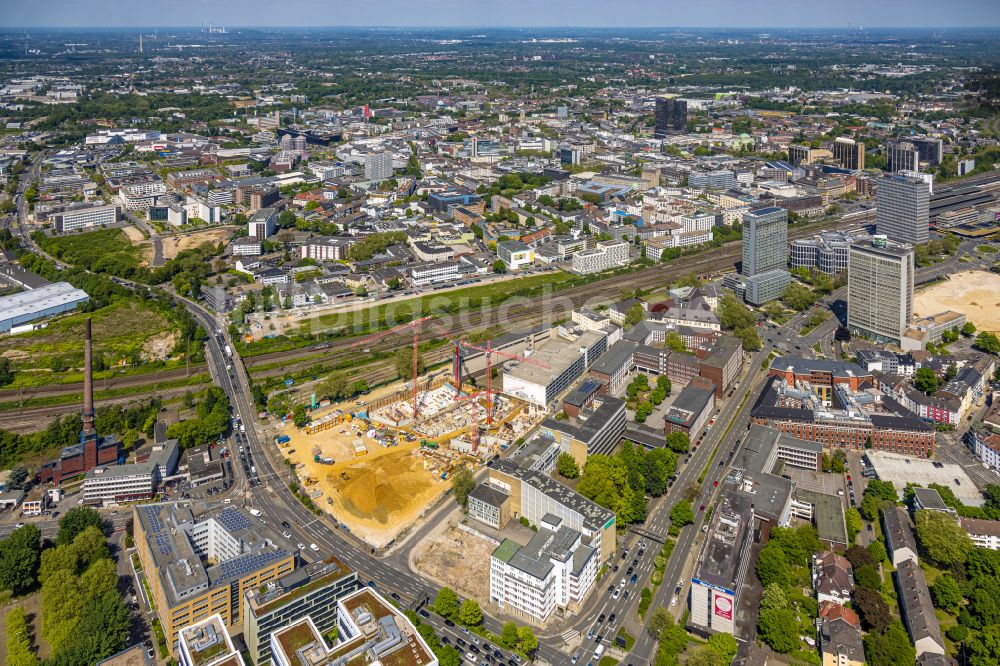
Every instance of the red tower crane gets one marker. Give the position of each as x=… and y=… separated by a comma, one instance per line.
x=489, y=351
x=415, y=325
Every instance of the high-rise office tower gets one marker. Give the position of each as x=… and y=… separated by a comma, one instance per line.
x=901, y=156
x=671, y=116
x=765, y=254
x=850, y=153
x=880, y=289
x=931, y=150
x=378, y=166
x=903, y=209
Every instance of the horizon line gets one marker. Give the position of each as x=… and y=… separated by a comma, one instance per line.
x=858, y=28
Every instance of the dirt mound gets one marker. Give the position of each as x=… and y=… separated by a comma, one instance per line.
x=383, y=489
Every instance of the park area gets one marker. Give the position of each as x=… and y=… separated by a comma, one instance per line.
x=974, y=293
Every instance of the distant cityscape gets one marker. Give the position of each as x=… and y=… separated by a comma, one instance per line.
x=421, y=347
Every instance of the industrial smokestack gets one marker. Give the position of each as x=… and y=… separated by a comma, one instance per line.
x=88, y=384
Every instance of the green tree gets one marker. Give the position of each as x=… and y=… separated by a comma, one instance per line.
x=969, y=329
x=76, y=520
x=678, y=441
x=675, y=342
x=566, y=466
x=446, y=603
x=859, y=556
x=872, y=608
x=471, y=615
x=659, y=620
x=890, y=648
x=704, y=655
x=499, y=266
x=462, y=483
x=19, y=644
x=925, y=380
x=773, y=597
x=682, y=514
x=6, y=374
x=673, y=638
x=637, y=313
x=852, y=517
x=663, y=382
x=772, y=566
x=877, y=550
x=20, y=554
x=299, y=415
x=984, y=648
x=526, y=640
x=942, y=538
x=508, y=635
x=404, y=363
x=868, y=576
x=988, y=342
x=723, y=645
x=779, y=629
x=946, y=593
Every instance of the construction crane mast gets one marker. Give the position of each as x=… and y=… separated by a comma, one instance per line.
x=415, y=325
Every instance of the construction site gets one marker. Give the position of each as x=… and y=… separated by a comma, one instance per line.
x=377, y=470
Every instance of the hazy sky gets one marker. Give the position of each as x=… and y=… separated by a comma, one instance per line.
x=610, y=13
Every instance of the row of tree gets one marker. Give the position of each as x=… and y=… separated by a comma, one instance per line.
x=621, y=482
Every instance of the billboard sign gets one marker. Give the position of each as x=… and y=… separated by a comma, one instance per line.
x=724, y=607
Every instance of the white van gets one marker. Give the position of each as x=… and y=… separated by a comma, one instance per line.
x=599, y=651
x=255, y=512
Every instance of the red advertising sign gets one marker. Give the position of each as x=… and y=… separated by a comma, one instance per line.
x=724, y=607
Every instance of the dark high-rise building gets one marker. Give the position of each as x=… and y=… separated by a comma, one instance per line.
x=671, y=116
x=931, y=150
x=901, y=156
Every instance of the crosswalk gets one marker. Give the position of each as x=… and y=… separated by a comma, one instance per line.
x=569, y=635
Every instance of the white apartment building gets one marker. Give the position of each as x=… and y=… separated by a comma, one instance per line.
x=177, y=216
x=203, y=210
x=607, y=255
x=246, y=247
x=86, y=217
x=986, y=447
x=984, y=533
x=264, y=223
x=553, y=570
x=324, y=249
x=140, y=196
x=207, y=643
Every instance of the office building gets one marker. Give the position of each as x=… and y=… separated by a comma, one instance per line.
x=201, y=564
x=248, y=246
x=370, y=632
x=310, y=591
x=515, y=254
x=671, y=117
x=880, y=290
x=595, y=429
x=765, y=254
x=113, y=484
x=721, y=566
x=825, y=252
x=903, y=209
x=931, y=150
x=901, y=156
x=378, y=166
x=207, y=643
x=559, y=362
x=799, y=154
x=722, y=179
x=690, y=410
x=607, y=255
x=264, y=223
x=522, y=487
x=86, y=217
x=554, y=570
x=849, y=153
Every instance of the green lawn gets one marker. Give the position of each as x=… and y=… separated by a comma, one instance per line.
x=102, y=251
x=986, y=249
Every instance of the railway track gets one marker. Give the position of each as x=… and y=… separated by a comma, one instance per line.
x=515, y=316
